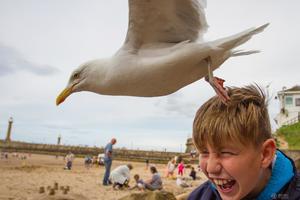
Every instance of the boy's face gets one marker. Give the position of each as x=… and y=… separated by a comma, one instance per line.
x=235, y=171
x=136, y=178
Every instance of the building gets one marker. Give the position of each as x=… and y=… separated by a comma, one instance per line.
x=289, y=100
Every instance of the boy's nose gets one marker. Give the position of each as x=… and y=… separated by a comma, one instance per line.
x=213, y=166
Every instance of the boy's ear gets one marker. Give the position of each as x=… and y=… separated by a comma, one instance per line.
x=268, y=152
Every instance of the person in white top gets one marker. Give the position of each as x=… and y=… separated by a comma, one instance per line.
x=170, y=168
x=120, y=176
x=69, y=160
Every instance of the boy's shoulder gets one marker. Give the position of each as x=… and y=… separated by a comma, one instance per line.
x=206, y=191
x=203, y=192
x=292, y=190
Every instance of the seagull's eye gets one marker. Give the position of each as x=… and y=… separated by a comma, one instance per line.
x=76, y=75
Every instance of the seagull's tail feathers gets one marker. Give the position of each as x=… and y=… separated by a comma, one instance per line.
x=235, y=53
x=236, y=40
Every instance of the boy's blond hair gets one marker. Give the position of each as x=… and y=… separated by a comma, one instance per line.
x=243, y=121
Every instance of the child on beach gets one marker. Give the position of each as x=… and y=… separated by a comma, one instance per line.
x=180, y=181
x=170, y=168
x=180, y=168
x=237, y=152
x=139, y=183
x=193, y=173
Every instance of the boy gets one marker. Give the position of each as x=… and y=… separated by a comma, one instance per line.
x=237, y=152
x=139, y=183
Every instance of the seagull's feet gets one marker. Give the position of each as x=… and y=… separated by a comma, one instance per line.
x=217, y=84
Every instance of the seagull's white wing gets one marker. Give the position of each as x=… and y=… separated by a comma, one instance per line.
x=164, y=21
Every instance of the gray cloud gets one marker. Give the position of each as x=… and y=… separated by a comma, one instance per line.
x=11, y=61
x=176, y=104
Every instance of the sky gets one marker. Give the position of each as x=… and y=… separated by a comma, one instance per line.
x=42, y=42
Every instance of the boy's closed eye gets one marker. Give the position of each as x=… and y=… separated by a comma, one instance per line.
x=222, y=153
x=228, y=153
x=204, y=153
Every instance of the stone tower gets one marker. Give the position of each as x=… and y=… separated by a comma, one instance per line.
x=189, y=145
x=8, y=134
x=59, y=139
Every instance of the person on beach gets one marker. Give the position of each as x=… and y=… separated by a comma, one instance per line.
x=69, y=160
x=120, y=176
x=155, y=183
x=147, y=164
x=180, y=181
x=87, y=161
x=180, y=168
x=139, y=183
x=170, y=168
x=108, y=151
x=193, y=173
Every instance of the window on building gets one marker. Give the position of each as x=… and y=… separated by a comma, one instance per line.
x=297, y=101
x=289, y=100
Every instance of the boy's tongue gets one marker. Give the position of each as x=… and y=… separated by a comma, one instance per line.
x=227, y=187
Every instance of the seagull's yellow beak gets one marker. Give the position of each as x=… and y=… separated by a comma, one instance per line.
x=63, y=95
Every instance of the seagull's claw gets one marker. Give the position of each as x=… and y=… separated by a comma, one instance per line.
x=217, y=85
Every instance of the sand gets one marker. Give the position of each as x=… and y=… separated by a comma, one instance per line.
x=23, y=179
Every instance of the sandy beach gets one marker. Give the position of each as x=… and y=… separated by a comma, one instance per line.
x=22, y=179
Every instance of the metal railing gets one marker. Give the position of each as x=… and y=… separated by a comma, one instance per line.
x=292, y=121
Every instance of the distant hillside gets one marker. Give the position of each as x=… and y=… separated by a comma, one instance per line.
x=291, y=134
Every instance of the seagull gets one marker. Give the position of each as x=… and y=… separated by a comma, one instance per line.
x=163, y=52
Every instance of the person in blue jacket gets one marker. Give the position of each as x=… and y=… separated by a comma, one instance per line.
x=237, y=152
x=108, y=152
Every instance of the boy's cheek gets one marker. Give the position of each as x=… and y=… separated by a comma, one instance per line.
x=202, y=165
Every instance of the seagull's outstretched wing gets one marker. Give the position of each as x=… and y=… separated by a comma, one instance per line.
x=164, y=21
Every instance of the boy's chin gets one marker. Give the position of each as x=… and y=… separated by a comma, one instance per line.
x=229, y=191
x=235, y=194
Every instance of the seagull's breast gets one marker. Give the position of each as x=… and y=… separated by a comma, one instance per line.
x=156, y=73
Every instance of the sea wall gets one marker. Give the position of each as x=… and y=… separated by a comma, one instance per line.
x=61, y=150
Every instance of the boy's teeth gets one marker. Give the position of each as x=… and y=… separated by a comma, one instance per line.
x=218, y=182
x=221, y=181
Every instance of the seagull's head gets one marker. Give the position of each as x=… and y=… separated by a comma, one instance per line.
x=77, y=82
x=90, y=76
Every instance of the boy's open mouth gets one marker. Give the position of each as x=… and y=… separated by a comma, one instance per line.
x=225, y=185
